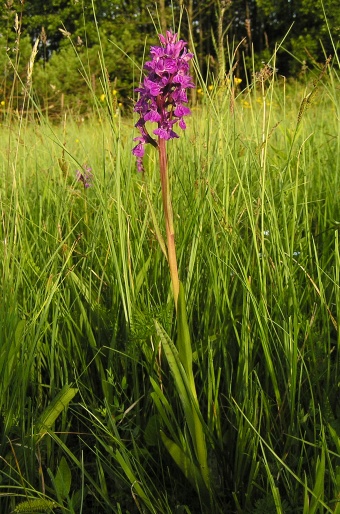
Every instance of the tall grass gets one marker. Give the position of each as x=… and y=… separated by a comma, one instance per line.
x=85, y=388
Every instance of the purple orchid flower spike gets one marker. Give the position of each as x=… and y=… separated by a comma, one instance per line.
x=162, y=94
x=85, y=176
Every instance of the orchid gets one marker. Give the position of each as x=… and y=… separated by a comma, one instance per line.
x=85, y=176
x=162, y=94
x=162, y=99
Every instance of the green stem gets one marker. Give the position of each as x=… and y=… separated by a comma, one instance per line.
x=169, y=222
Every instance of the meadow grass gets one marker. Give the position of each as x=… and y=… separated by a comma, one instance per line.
x=86, y=307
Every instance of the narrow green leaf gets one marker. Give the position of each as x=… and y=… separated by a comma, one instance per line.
x=183, y=338
x=57, y=405
x=178, y=373
x=125, y=464
x=185, y=464
x=141, y=276
x=335, y=437
x=63, y=478
x=189, y=402
x=19, y=331
x=156, y=226
x=318, y=490
x=305, y=498
x=163, y=407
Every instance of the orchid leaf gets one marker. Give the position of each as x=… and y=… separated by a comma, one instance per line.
x=58, y=404
x=183, y=337
x=185, y=463
x=189, y=402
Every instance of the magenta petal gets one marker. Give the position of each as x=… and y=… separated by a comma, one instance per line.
x=139, y=150
x=157, y=51
x=153, y=87
x=162, y=133
x=152, y=116
x=162, y=39
x=182, y=124
x=170, y=65
x=181, y=110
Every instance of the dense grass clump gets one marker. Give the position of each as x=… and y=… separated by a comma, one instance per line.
x=86, y=300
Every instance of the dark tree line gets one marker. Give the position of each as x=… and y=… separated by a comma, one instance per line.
x=222, y=32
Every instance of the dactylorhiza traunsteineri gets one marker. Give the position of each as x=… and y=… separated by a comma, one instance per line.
x=163, y=93
x=162, y=99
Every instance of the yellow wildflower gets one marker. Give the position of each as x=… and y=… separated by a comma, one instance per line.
x=114, y=92
x=2, y=103
x=102, y=97
x=236, y=81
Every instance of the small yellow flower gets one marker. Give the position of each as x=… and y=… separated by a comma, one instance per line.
x=210, y=87
x=2, y=103
x=102, y=97
x=246, y=104
x=120, y=104
x=237, y=81
x=114, y=92
x=77, y=140
x=199, y=91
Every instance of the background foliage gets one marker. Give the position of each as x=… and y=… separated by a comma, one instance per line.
x=249, y=30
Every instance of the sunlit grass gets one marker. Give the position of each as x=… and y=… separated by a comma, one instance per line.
x=256, y=200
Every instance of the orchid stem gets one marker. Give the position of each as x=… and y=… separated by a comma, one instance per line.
x=168, y=216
